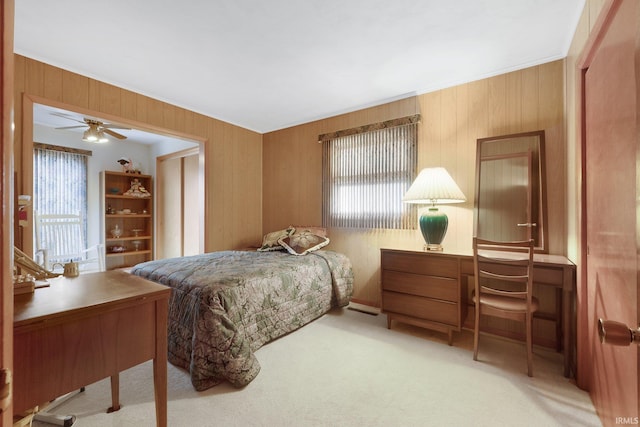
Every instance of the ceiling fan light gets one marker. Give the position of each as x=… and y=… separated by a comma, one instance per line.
x=89, y=136
x=101, y=138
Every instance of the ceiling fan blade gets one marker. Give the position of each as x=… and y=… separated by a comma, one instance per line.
x=66, y=116
x=72, y=127
x=112, y=126
x=114, y=134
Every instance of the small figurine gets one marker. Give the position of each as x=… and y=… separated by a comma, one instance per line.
x=127, y=165
x=137, y=189
x=116, y=232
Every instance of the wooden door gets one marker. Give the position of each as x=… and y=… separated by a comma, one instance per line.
x=612, y=210
x=179, y=205
x=169, y=203
x=6, y=194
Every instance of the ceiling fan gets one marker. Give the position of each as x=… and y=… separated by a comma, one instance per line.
x=96, y=129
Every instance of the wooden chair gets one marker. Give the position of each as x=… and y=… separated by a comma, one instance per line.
x=60, y=239
x=504, y=286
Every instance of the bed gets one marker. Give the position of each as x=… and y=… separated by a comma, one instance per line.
x=225, y=305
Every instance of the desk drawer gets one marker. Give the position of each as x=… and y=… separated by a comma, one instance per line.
x=548, y=275
x=443, y=288
x=420, y=263
x=421, y=308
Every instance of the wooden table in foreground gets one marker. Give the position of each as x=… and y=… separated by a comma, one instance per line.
x=81, y=330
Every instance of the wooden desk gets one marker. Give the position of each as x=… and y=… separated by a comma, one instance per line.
x=429, y=289
x=81, y=330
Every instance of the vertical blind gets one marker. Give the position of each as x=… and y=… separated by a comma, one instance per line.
x=365, y=175
x=60, y=180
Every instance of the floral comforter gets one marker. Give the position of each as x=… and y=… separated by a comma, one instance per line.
x=225, y=305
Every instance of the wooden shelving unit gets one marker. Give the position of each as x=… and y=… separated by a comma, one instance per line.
x=132, y=215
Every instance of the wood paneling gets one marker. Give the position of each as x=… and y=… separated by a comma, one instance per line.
x=232, y=155
x=452, y=120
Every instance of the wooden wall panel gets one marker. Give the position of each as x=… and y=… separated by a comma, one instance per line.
x=452, y=120
x=232, y=155
x=129, y=104
x=52, y=83
x=497, y=105
x=75, y=90
x=530, y=97
x=513, y=106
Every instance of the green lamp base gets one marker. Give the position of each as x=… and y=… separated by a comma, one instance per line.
x=433, y=225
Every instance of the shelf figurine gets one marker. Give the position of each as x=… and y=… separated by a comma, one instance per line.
x=137, y=189
x=128, y=166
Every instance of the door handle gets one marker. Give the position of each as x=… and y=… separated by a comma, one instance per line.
x=527, y=224
x=616, y=333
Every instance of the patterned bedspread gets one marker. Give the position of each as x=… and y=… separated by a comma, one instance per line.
x=225, y=305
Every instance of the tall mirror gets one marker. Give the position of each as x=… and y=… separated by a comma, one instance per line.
x=510, y=199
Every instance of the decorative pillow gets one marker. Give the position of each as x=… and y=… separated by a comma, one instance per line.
x=320, y=231
x=270, y=241
x=301, y=243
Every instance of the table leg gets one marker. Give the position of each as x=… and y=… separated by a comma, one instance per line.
x=567, y=332
x=115, y=393
x=559, y=320
x=160, y=363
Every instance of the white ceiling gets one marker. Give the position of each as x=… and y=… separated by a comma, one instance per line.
x=267, y=65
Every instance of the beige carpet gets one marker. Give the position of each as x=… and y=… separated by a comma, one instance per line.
x=348, y=369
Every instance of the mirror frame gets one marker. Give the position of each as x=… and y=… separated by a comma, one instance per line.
x=541, y=196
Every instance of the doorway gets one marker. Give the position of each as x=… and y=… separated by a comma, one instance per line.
x=142, y=145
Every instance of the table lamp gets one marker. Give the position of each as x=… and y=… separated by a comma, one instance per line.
x=433, y=186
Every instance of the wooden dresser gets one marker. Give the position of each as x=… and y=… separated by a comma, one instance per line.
x=423, y=289
x=430, y=289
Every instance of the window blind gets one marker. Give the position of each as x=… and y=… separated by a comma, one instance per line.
x=60, y=180
x=366, y=171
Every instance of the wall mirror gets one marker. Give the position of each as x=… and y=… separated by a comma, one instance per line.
x=510, y=199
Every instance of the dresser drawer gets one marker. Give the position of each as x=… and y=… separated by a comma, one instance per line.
x=548, y=275
x=419, y=263
x=444, y=288
x=421, y=308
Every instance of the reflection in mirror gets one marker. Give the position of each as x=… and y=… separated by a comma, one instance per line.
x=510, y=202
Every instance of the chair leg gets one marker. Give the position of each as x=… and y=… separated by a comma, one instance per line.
x=476, y=332
x=529, y=319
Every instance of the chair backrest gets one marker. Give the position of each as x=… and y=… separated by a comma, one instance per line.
x=61, y=236
x=504, y=268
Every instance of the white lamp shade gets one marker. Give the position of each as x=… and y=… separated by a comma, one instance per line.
x=434, y=186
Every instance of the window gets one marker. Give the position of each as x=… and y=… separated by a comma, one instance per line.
x=60, y=181
x=366, y=171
